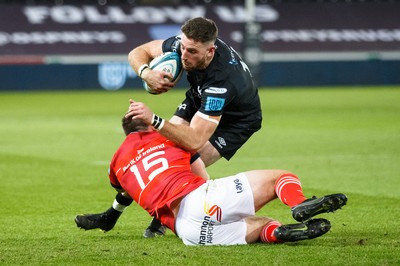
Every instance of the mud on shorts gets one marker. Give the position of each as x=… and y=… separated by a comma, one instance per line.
x=213, y=214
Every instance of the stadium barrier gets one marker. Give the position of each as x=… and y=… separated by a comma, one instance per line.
x=115, y=75
x=86, y=46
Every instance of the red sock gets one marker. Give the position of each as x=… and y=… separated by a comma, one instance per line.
x=267, y=233
x=288, y=189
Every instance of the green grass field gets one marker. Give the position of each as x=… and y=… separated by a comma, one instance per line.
x=54, y=154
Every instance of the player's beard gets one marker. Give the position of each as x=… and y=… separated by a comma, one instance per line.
x=201, y=64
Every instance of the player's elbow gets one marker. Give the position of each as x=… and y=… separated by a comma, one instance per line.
x=131, y=57
x=194, y=143
x=192, y=146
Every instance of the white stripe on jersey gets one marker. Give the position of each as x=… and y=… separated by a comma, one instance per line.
x=207, y=117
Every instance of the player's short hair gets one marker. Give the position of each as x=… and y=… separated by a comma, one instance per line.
x=200, y=29
x=133, y=125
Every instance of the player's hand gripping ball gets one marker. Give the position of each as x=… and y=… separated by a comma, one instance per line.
x=168, y=62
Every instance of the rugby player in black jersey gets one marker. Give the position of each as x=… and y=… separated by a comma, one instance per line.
x=222, y=108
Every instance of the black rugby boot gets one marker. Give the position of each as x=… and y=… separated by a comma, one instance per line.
x=308, y=230
x=314, y=206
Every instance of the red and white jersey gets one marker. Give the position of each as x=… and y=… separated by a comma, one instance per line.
x=154, y=172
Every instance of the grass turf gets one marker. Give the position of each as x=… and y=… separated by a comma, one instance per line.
x=55, y=149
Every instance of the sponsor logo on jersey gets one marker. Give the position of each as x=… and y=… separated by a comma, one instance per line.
x=214, y=104
x=213, y=210
x=220, y=142
x=238, y=185
x=206, y=231
x=216, y=90
x=182, y=106
x=207, y=226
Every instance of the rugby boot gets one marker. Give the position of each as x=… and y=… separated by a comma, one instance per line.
x=155, y=228
x=104, y=221
x=314, y=206
x=308, y=230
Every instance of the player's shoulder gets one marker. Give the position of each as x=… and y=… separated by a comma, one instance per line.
x=226, y=58
x=172, y=44
x=226, y=52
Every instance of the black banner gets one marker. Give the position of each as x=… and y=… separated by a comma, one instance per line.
x=116, y=29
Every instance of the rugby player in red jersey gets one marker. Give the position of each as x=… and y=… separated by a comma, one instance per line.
x=157, y=174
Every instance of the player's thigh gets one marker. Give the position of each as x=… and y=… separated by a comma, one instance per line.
x=214, y=213
x=205, y=232
x=262, y=183
x=228, y=140
x=209, y=154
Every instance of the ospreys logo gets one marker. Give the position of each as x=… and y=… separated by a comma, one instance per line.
x=182, y=106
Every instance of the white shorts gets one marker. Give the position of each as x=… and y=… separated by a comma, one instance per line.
x=213, y=214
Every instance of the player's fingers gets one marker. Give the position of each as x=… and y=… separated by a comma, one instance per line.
x=166, y=87
x=133, y=110
x=130, y=113
x=168, y=76
x=135, y=105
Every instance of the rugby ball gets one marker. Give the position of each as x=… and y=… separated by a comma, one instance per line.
x=168, y=62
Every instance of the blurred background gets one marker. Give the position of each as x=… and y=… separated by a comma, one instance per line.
x=83, y=45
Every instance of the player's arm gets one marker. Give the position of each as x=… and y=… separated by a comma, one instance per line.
x=189, y=137
x=139, y=59
x=198, y=167
x=122, y=199
x=144, y=53
x=123, y=193
x=193, y=136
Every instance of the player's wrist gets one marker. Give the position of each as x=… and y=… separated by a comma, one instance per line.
x=142, y=69
x=157, y=122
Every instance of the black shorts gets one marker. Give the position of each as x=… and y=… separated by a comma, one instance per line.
x=228, y=137
x=228, y=140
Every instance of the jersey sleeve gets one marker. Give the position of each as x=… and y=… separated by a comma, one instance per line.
x=214, y=100
x=113, y=179
x=172, y=44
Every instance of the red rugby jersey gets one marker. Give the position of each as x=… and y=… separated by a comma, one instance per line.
x=154, y=172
